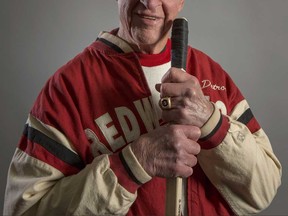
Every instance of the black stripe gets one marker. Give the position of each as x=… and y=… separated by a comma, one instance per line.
x=110, y=44
x=246, y=117
x=128, y=169
x=214, y=130
x=55, y=148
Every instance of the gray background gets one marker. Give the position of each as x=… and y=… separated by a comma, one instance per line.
x=247, y=37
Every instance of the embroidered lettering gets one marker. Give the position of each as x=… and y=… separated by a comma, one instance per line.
x=147, y=113
x=96, y=145
x=110, y=132
x=129, y=126
x=207, y=83
x=128, y=123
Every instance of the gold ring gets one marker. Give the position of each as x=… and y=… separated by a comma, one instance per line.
x=165, y=103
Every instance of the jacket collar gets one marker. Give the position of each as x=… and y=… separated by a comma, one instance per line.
x=114, y=42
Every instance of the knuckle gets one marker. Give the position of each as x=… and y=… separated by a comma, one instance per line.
x=194, y=81
x=195, y=148
x=198, y=150
x=186, y=101
x=180, y=152
x=197, y=132
x=182, y=113
x=173, y=130
x=178, y=149
x=194, y=161
x=190, y=92
x=173, y=73
x=188, y=172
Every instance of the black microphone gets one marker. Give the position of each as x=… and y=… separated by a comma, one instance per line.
x=179, y=39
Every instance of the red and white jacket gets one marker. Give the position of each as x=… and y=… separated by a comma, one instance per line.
x=74, y=156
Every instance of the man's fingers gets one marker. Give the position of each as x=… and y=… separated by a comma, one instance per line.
x=158, y=87
x=175, y=75
x=191, y=132
x=171, y=89
x=184, y=166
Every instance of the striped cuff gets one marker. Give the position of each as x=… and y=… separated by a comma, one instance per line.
x=214, y=130
x=133, y=167
x=211, y=124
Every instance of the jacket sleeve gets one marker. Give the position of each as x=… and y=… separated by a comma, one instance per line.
x=53, y=171
x=35, y=187
x=239, y=161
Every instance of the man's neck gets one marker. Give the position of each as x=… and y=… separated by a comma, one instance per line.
x=155, y=48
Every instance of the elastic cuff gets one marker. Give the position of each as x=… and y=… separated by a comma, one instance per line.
x=214, y=130
x=124, y=178
x=211, y=124
x=133, y=165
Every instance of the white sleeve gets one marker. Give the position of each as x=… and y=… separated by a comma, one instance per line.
x=243, y=166
x=36, y=188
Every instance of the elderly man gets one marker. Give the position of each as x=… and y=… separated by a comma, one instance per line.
x=96, y=142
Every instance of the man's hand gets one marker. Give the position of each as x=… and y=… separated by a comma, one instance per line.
x=168, y=151
x=171, y=150
x=189, y=105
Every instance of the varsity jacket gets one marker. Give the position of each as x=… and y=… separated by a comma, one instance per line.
x=74, y=157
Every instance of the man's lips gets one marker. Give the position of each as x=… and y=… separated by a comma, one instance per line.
x=149, y=17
